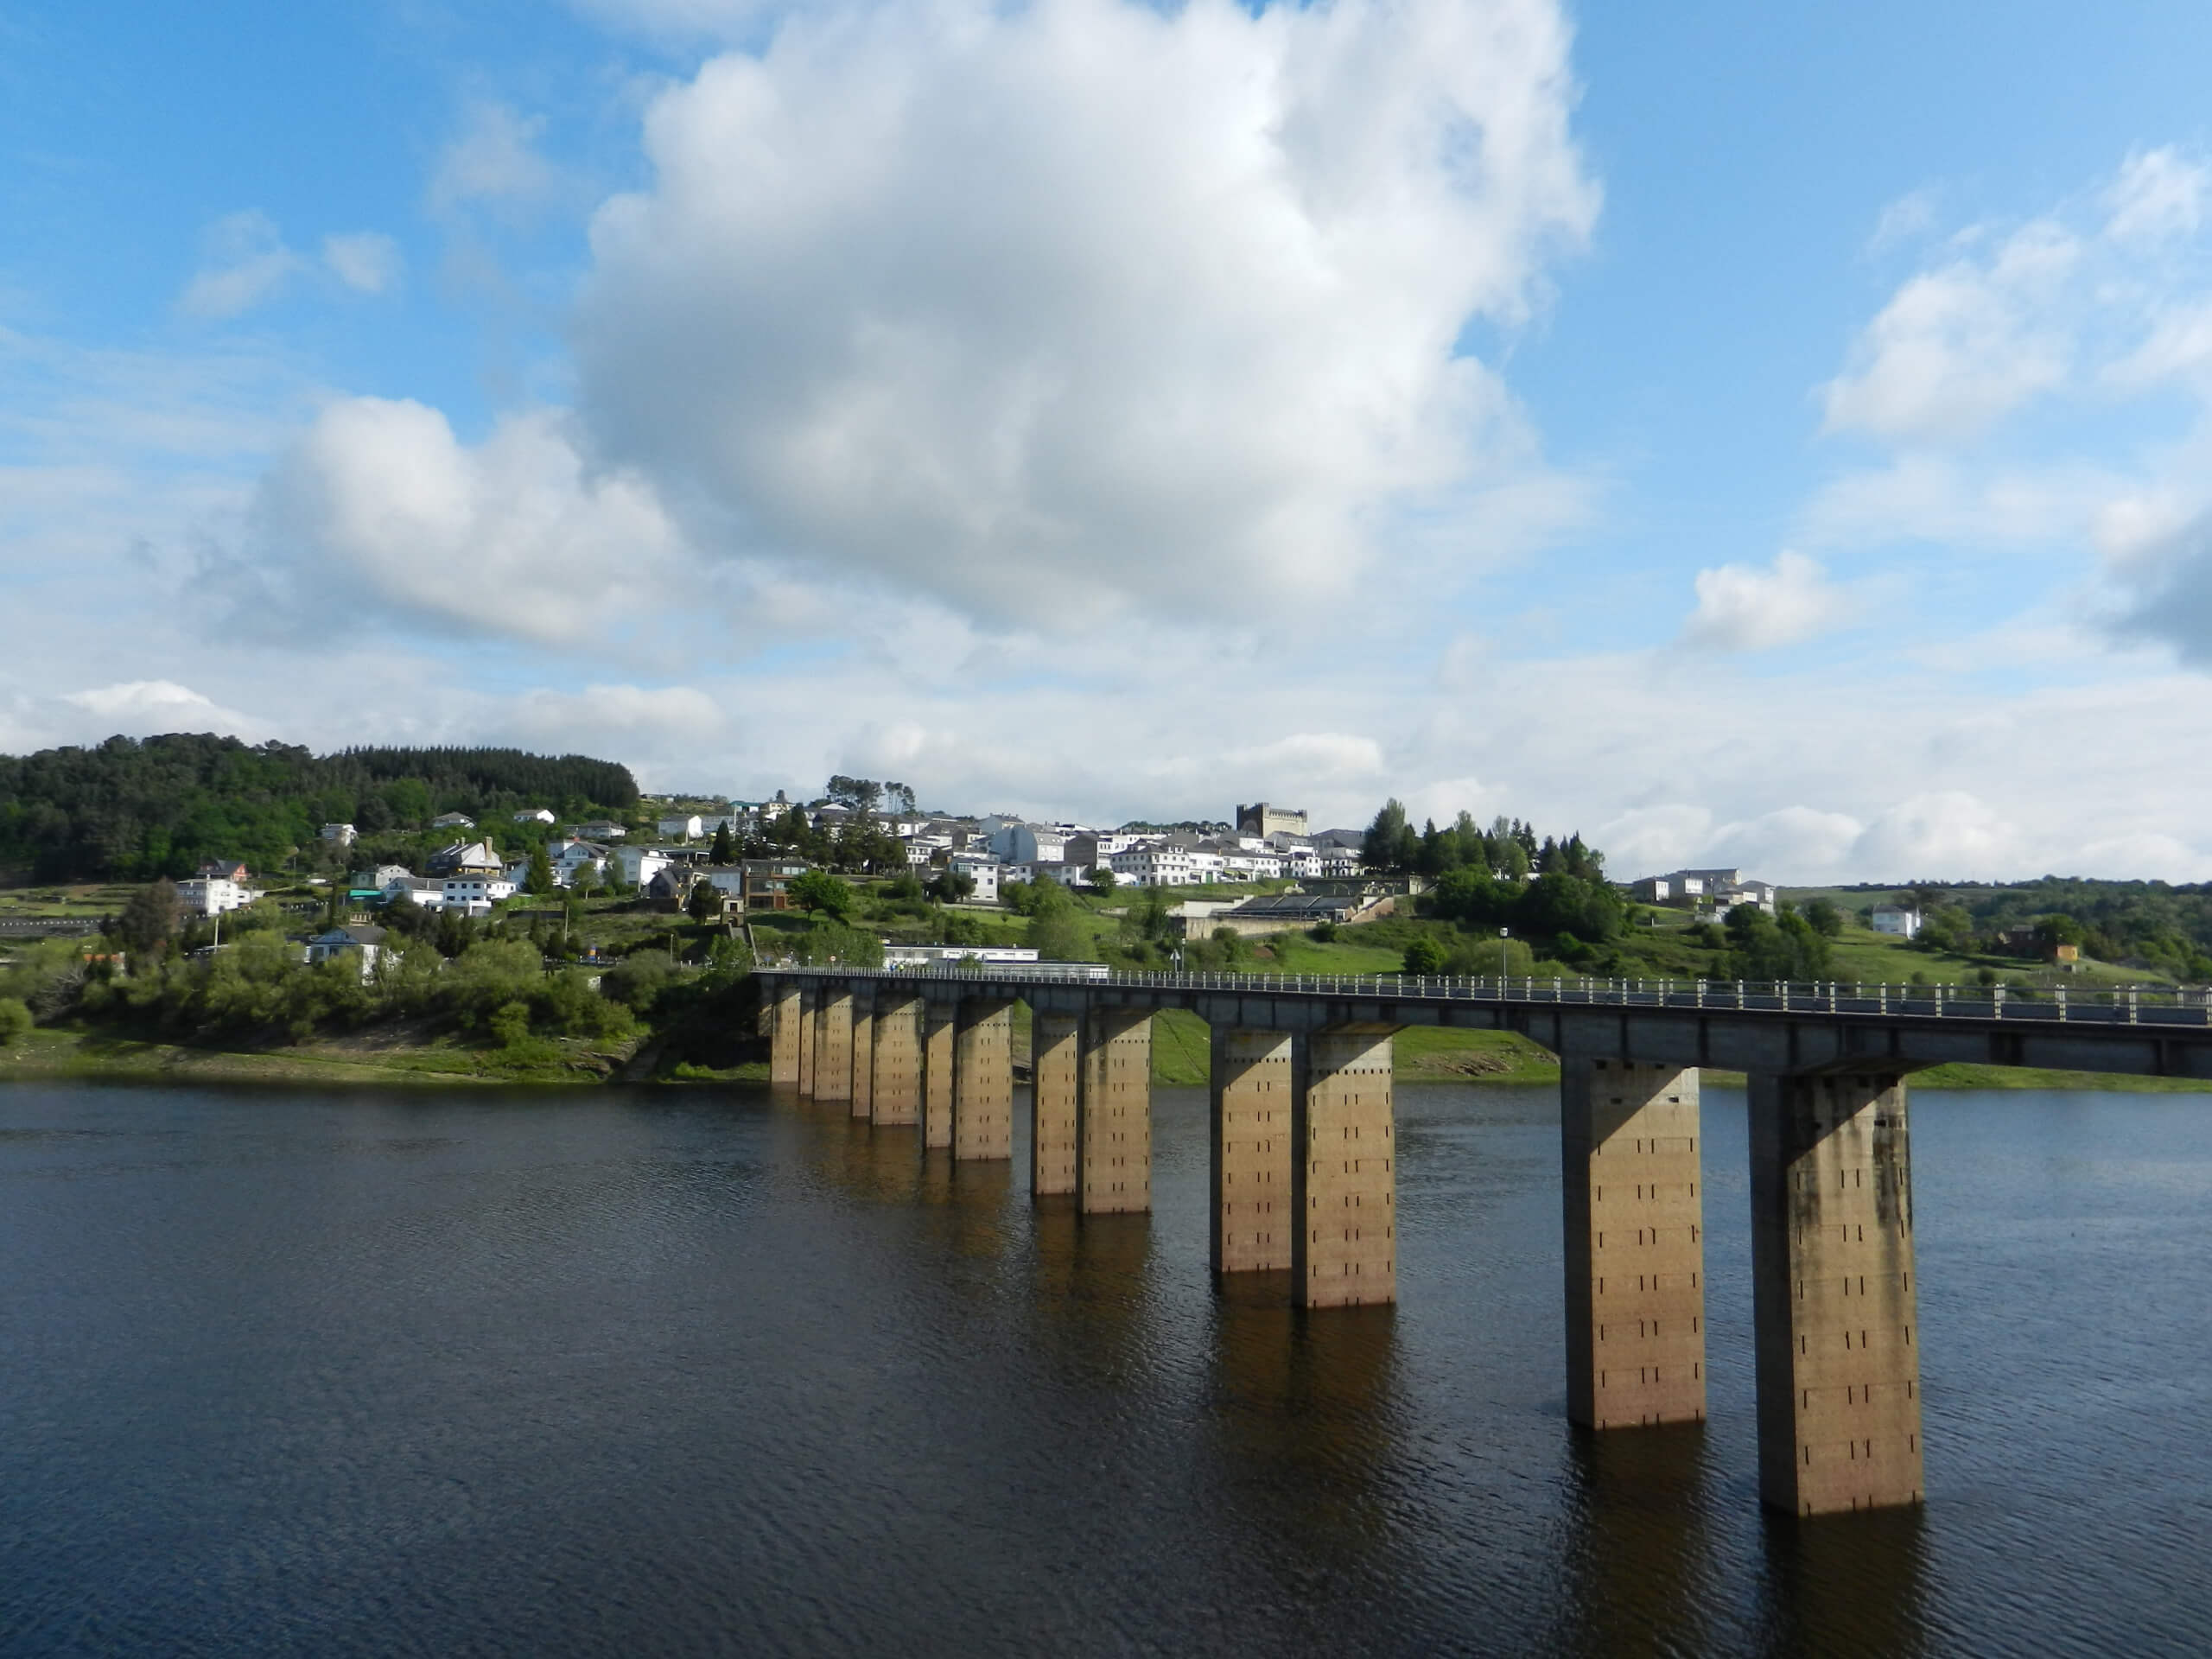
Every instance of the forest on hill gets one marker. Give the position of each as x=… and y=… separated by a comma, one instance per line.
x=137, y=809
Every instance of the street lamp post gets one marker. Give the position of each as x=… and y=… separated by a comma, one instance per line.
x=1502, y=932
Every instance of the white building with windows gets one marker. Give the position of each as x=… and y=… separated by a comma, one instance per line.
x=1898, y=921
x=475, y=893
x=688, y=828
x=213, y=895
x=535, y=815
x=640, y=865
x=982, y=869
x=1163, y=864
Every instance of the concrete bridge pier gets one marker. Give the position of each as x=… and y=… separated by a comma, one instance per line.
x=1114, y=1111
x=982, y=1080
x=1055, y=1065
x=895, y=1067
x=1839, y=1369
x=808, y=997
x=1250, y=1079
x=1343, y=1178
x=783, y=1034
x=862, y=1097
x=940, y=1016
x=833, y=1043
x=1635, y=1243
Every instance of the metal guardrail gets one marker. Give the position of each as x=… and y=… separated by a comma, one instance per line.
x=2162, y=1005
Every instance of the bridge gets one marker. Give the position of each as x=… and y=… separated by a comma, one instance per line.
x=1304, y=1164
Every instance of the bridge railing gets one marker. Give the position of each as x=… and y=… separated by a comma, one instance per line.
x=2103, y=1005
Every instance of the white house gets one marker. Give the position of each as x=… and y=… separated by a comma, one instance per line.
x=342, y=834
x=1162, y=864
x=213, y=895
x=368, y=942
x=982, y=869
x=640, y=865
x=535, y=815
x=475, y=892
x=1899, y=921
x=423, y=892
x=453, y=821
x=465, y=858
x=598, y=829
x=682, y=829
x=382, y=876
x=1029, y=843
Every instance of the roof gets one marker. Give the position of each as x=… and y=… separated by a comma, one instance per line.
x=1293, y=905
x=354, y=933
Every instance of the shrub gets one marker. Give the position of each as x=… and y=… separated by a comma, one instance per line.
x=14, y=1021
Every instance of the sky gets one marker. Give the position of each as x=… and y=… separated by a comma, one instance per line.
x=1776, y=436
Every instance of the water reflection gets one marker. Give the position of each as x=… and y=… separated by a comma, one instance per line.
x=1303, y=1418
x=1639, y=1554
x=1846, y=1584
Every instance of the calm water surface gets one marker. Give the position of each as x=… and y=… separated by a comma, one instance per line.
x=708, y=1371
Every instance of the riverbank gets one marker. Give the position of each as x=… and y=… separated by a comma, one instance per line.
x=46, y=1052
x=1180, y=1050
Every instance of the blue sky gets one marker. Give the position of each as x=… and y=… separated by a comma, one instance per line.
x=1741, y=433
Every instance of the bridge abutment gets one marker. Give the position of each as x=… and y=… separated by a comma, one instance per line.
x=1114, y=1111
x=1055, y=1062
x=1839, y=1369
x=983, y=1081
x=1635, y=1243
x=1343, y=1181
x=1250, y=1082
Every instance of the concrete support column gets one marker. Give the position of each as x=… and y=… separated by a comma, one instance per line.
x=895, y=1069
x=939, y=1016
x=1344, y=1183
x=1055, y=1049
x=1114, y=1111
x=833, y=1043
x=783, y=1032
x=1839, y=1369
x=807, y=1011
x=1635, y=1243
x=1251, y=1086
x=983, y=1081
x=863, y=1058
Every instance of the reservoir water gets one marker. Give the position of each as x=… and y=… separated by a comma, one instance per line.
x=708, y=1371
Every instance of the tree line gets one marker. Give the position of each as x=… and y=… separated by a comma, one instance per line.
x=1508, y=850
x=138, y=810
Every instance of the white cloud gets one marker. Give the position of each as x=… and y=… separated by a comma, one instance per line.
x=137, y=706
x=1042, y=308
x=1958, y=346
x=367, y=262
x=494, y=162
x=1949, y=831
x=1741, y=607
x=2162, y=582
x=2159, y=193
x=517, y=535
x=244, y=263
